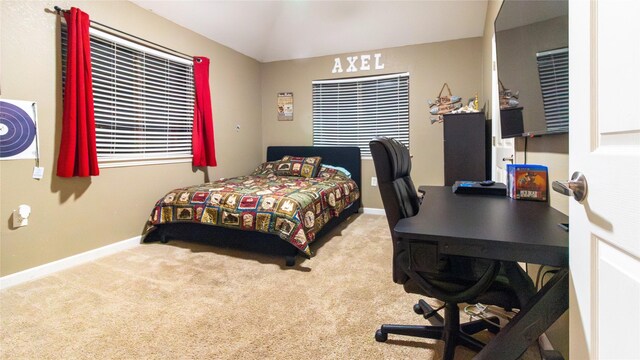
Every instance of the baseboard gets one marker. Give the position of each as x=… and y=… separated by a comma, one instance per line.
x=62, y=264
x=373, y=211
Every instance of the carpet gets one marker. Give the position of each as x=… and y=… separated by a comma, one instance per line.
x=186, y=300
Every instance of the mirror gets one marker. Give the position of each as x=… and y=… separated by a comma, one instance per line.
x=532, y=49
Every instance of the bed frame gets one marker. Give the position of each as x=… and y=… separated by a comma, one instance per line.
x=346, y=157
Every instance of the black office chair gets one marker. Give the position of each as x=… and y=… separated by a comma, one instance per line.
x=422, y=270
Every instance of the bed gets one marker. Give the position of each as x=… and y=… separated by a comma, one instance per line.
x=297, y=196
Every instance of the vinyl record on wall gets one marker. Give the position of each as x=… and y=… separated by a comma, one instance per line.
x=17, y=130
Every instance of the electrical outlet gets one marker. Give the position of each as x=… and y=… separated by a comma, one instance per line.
x=21, y=216
x=374, y=181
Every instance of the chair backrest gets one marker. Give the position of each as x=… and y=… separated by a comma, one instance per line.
x=399, y=197
x=393, y=169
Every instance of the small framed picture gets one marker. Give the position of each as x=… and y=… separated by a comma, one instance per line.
x=285, y=106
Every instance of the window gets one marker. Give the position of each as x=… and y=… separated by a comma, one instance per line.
x=351, y=112
x=553, y=68
x=143, y=102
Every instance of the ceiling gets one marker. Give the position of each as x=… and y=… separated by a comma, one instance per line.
x=283, y=30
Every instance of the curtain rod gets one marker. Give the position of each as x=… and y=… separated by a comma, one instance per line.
x=58, y=10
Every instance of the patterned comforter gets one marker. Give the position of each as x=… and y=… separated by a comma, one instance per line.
x=295, y=208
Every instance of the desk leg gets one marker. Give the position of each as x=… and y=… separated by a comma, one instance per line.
x=525, y=328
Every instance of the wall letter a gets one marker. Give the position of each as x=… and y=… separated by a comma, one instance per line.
x=337, y=66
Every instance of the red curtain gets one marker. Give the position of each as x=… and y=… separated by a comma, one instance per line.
x=202, y=143
x=78, y=154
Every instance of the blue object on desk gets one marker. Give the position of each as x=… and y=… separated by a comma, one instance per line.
x=476, y=188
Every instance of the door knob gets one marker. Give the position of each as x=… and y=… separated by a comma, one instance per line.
x=510, y=158
x=577, y=186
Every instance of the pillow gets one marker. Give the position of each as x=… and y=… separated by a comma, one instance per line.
x=266, y=168
x=333, y=172
x=339, y=168
x=298, y=166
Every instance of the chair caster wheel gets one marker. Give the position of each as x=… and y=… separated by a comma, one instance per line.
x=380, y=336
x=494, y=329
x=418, y=309
x=290, y=261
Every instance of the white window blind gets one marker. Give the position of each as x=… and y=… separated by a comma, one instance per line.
x=553, y=68
x=351, y=112
x=143, y=102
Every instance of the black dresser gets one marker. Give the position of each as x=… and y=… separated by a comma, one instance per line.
x=467, y=149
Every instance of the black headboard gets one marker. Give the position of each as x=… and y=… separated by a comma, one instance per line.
x=347, y=157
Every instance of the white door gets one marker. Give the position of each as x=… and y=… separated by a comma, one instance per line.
x=604, y=144
x=502, y=150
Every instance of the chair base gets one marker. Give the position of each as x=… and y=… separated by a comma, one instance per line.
x=451, y=332
x=424, y=309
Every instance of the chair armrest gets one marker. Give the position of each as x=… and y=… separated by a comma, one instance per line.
x=482, y=284
x=421, y=192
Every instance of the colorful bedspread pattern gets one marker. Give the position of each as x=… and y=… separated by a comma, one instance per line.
x=295, y=208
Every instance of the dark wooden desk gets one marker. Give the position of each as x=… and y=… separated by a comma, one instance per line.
x=495, y=227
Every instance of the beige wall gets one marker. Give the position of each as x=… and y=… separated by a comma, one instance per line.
x=459, y=63
x=551, y=150
x=487, y=59
x=71, y=216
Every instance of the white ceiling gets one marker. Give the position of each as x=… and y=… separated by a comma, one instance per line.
x=284, y=30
